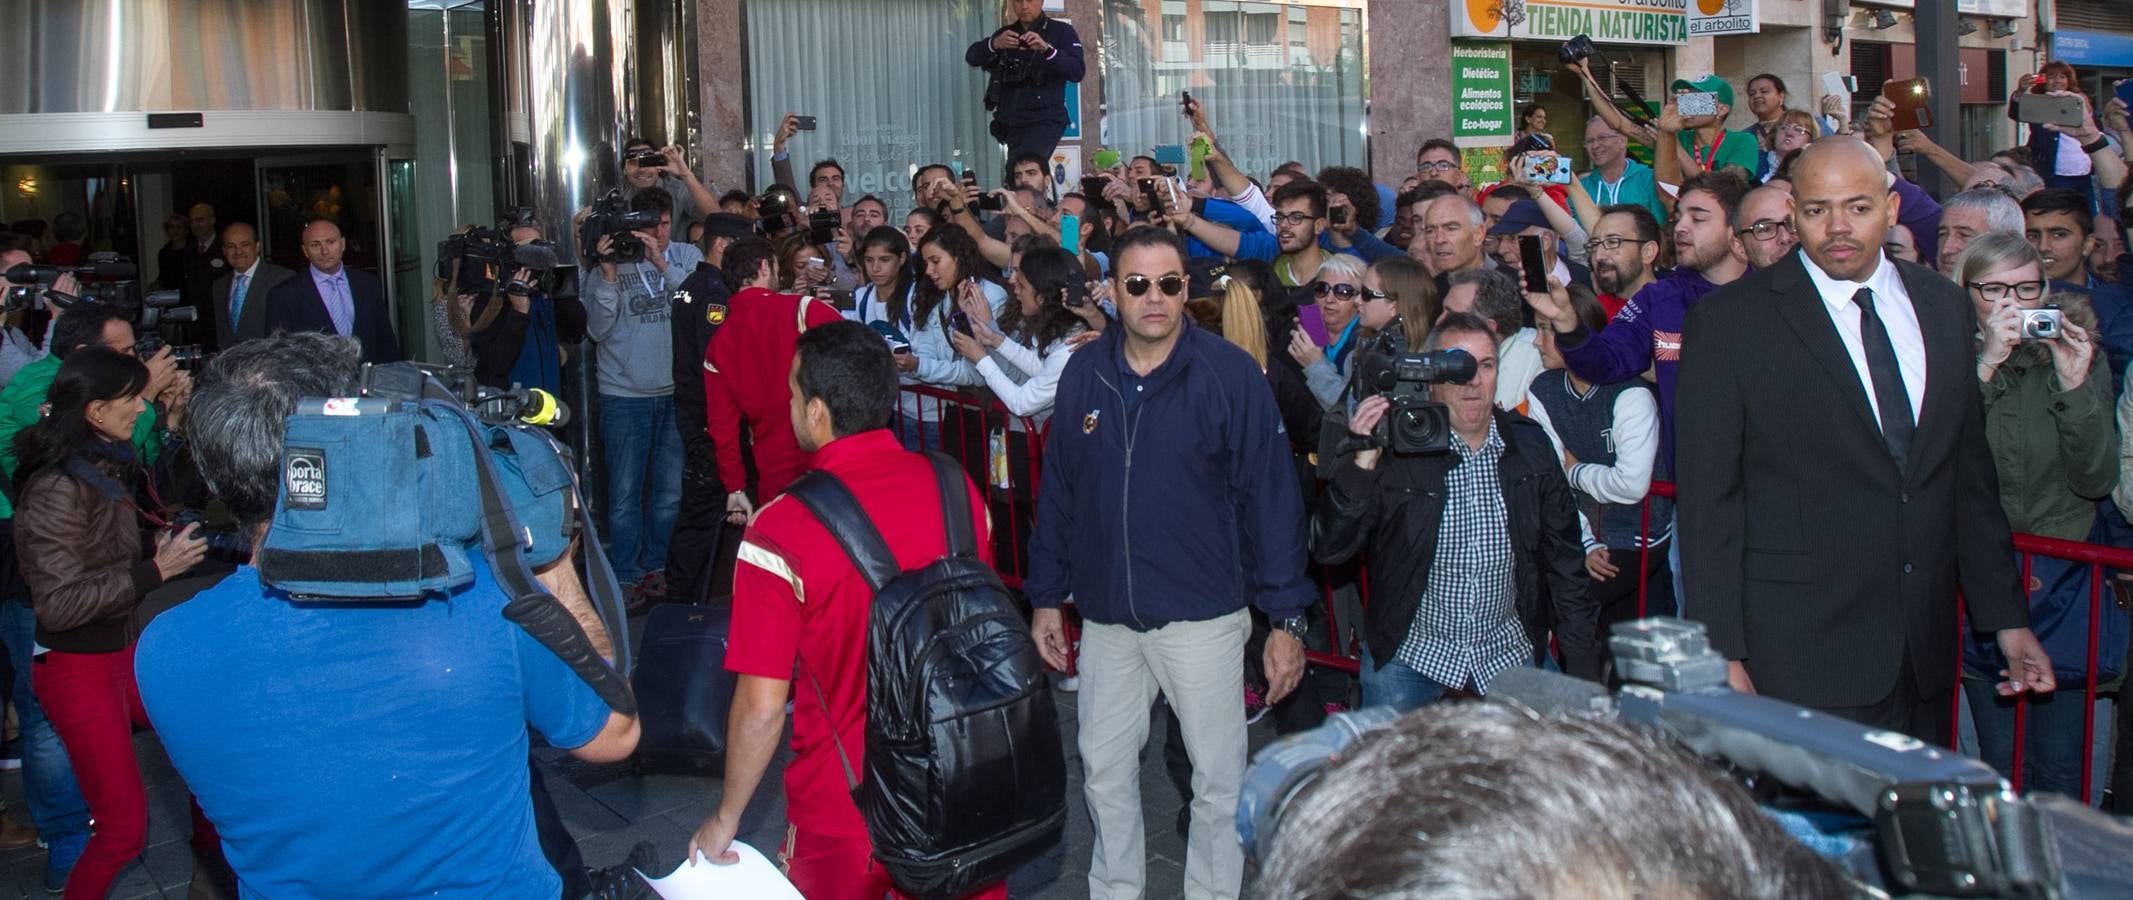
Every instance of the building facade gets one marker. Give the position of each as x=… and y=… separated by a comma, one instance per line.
x=403, y=122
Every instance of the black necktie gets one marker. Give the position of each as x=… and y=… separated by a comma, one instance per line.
x=1897, y=425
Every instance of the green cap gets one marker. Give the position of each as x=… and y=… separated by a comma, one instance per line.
x=1709, y=84
x=1106, y=159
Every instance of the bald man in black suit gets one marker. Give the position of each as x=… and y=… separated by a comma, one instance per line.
x=1835, y=485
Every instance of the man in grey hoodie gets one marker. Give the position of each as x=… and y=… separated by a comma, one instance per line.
x=627, y=312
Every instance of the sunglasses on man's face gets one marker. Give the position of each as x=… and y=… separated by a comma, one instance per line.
x=1138, y=285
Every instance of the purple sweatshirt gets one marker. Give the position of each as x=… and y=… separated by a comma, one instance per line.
x=1645, y=334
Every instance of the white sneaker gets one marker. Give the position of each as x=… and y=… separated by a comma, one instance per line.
x=1070, y=684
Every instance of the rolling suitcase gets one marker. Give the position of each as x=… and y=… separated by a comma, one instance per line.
x=683, y=688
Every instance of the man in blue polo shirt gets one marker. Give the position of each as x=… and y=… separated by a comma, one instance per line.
x=354, y=751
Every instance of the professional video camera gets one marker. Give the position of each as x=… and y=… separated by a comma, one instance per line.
x=1415, y=424
x=105, y=277
x=1902, y=818
x=468, y=476
x=477, y=260
x=611, y=216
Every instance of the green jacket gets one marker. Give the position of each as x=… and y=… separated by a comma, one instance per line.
x=19, y=409
x=2056, y=451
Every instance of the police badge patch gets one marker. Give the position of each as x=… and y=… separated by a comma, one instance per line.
x=1088, y=422
x=715, y=313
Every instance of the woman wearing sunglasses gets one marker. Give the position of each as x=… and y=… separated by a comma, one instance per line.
x=1339, y=291
x=2048, y=421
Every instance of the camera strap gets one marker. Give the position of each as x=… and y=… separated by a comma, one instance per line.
x=531, y=605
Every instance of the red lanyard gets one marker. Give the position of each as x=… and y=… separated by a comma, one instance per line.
x=1700, y=160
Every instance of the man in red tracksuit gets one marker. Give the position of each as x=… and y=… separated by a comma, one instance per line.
x=745, y=370
x=800, y=617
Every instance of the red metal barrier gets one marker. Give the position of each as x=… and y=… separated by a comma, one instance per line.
x=974, y=419
x=2096, y=556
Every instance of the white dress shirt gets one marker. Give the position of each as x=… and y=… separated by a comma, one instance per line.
x=1893, y=304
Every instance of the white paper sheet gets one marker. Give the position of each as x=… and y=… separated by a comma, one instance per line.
x=754, y=878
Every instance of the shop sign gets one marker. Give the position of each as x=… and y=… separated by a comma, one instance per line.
x=2093, y=48
x=2010, y=9
x=1481, y=94
x=1709, y=17
x=1607, y=21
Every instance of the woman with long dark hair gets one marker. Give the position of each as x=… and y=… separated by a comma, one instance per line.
x=885, y=292
x=1021, y=354
x=80, y=533
x=952, y=269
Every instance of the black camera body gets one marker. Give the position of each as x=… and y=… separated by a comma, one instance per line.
x=1576, y=50
x=105, y=277
x=189, y=357
x=612, y=217
x=822, y=225
x=773, y=212
x=477, y=260
x=1415, y=424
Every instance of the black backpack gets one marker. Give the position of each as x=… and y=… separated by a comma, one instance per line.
x=965, y=769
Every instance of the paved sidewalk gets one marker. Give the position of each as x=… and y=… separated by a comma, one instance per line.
x=610, y=808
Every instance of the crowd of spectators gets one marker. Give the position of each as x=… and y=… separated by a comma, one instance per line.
x=1202, y=366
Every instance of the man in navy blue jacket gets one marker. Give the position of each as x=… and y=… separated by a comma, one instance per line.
x=1030, y=59
x=1168, y=505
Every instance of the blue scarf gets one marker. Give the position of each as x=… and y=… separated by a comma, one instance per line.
x=540, y=362
x=1338, y=353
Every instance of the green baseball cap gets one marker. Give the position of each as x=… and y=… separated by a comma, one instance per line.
x=1709, y=84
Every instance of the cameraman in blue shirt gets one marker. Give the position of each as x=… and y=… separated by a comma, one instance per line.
x=356, y=751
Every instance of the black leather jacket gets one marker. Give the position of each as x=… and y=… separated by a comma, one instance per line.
x=1394, y=511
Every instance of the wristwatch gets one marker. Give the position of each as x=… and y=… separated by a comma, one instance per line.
x=1294, y=626
x=2100, y=144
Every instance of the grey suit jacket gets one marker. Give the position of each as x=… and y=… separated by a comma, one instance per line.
x=254, y=323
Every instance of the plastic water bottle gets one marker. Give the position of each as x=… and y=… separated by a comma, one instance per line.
x=996, y=450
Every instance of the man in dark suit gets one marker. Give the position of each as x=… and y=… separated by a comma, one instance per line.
x=333, y=298
x=203, y=263
x=1826, y=527
x=240, y=295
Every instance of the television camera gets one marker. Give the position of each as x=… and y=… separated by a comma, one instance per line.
x=611, y=217
x=1896, y=816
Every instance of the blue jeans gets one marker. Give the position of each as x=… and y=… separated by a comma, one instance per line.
x=643, y=455
x=920, y=436
x=1673, y=562
x=1396, y=685
x=55, y=801
x=2051, y=759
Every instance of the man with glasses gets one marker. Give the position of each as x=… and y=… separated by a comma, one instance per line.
x=1766, y=226
x=1615, y=178
x=1437, y=160
x=1624, y=251
x=1169, y=505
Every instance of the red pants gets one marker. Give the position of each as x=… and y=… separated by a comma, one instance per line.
x=834, y=868
x=93, y=703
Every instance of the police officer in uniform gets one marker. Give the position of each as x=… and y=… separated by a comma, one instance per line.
x=700, y=554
